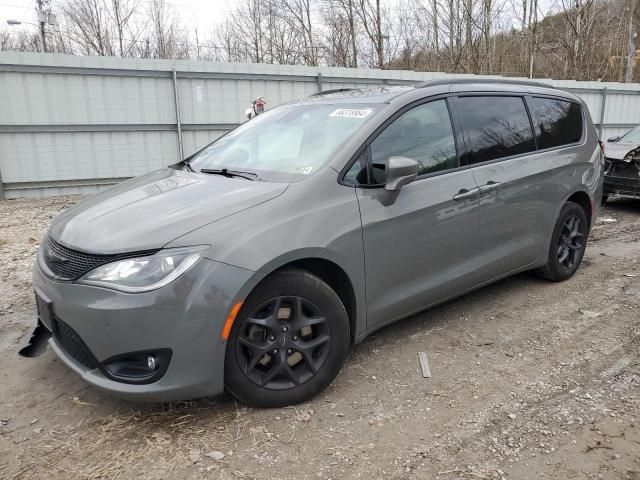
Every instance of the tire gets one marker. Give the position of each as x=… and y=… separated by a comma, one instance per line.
x=289, y=341
x=569, y=239
x=605, y=198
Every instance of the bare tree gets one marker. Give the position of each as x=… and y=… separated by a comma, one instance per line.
x=344, y=10
x=369, y=15
x=297, y=15
x=88, y=25
x=121, y=15
x=631, y=34
x=167, y=38
x=581, y=39
x=6, y=40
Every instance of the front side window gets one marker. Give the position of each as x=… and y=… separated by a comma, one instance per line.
x=495, y=127
x=423, y=134
x=286, y=143
x=557, y=122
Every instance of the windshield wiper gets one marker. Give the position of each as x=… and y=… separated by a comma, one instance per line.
x=230, y=173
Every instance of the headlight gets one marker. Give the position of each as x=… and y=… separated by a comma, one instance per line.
x=632, y=155
x=143, y=274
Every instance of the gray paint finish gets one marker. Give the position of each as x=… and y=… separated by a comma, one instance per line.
x=171, y=202
x=181, y=316
x=420, y=247
x=401, y=251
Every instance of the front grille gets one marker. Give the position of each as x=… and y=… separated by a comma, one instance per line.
x=68, y=264
x=73, y=345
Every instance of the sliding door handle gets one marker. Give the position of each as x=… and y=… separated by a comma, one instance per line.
x=465, y=194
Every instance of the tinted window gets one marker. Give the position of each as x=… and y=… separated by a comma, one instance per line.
x=424, y=134
x=557, y=122
x=495, y=127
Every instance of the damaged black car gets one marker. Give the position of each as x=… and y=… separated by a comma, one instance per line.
x=622, y=170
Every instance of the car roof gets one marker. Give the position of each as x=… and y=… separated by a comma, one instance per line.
x=358, y=95
x=387, y=93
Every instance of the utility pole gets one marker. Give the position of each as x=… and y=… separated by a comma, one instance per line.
x=352, y=29
x=42, y=20
x=380, y=39
x=435, y=25
x=632, y=44
x=533, y=13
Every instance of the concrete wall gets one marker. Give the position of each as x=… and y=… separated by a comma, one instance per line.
x=73, y=124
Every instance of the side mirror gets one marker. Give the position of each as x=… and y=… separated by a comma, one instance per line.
x=613, y=139
x=400, y=172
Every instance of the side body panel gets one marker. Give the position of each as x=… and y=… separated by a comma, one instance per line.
x=315, y=218
x=517, y=217
x=419, y=249
x=522, y=195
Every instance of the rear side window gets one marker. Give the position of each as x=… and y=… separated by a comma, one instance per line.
x=495, y=127
x=557, y=122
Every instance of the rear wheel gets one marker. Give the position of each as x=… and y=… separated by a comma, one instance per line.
x=568, y=244
x=289, y=341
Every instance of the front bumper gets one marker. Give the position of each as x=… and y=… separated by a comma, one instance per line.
x=186, y=316
x=622, y=186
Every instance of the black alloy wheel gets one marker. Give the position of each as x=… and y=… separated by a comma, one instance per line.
x=568, y=243
x=288, y=342
x=283, y=342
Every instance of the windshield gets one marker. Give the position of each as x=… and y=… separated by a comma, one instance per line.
x=632, y=136
x=287, y=143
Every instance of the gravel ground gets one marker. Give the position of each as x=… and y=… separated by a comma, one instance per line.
x=530, y=380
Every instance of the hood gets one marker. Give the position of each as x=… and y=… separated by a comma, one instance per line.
x=618, y=150
x=148, y=212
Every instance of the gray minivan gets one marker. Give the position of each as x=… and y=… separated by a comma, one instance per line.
x=253, y=265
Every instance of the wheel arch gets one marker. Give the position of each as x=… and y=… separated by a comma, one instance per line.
x=579, y=195
x=330, y=272
x=583, y=199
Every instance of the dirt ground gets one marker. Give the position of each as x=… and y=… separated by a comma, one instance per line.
x=530, y=380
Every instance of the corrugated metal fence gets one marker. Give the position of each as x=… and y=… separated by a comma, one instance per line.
x=74, y=124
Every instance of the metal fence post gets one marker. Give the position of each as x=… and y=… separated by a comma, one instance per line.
x=176, y=99
x=319, y=82
x=603, y=105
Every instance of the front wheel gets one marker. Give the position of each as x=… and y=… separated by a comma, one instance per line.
x=289, y=341
x=568, y=244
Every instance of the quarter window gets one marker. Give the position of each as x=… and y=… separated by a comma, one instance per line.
x=495, y=127
x=424, y=134
x=357, y=173
x=557, y=122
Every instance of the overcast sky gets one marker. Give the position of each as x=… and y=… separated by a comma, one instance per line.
x=203, y=13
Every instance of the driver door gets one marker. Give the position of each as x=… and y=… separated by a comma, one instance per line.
x=420, y=243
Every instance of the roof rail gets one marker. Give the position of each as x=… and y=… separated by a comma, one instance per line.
x=329, y=92
x=449, y=81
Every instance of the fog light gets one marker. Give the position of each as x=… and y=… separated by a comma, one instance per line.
x=137, y=367
x=151, y=362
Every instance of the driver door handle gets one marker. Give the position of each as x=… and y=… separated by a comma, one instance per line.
x=489, y=187
x=466, y=194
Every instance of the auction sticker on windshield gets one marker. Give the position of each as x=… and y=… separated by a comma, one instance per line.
x=351, y=112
